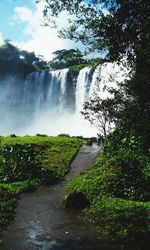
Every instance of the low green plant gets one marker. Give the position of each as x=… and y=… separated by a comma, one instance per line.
x=19, y=162
x=120, y=220
x=8, y=203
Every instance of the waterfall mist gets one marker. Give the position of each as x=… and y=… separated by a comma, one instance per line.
x=50, y=102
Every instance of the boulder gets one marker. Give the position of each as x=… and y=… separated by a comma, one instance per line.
x=76, y=200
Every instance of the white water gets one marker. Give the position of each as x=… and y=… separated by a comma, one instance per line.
x=50, y=103
x=107, y=76
x=82, y=87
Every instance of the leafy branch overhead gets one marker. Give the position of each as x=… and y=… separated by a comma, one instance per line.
x=114, y=26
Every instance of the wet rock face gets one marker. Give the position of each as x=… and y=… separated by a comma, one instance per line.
x=76, y=200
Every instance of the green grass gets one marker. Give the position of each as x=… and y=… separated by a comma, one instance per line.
x=26, y=162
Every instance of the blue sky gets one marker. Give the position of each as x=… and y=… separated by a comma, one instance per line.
x=10, y=28
x=21, y=23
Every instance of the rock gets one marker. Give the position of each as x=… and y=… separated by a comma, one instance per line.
x=76, y=200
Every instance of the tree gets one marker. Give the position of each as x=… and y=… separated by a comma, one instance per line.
x=100, y=113
x=65, y=58
x=14, y=61
x=40, y=64
x=114, y=25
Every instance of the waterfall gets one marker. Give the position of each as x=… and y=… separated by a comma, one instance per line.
x=50, y=102
x=107, y=76
x=45, y=91
x=82, y=87
x=94, y=87
x=53, y=89
x=63, y=79
x=63, y=89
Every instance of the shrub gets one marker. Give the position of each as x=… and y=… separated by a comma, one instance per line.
x=7, y=207
x=131, y=166
x=115, y=178
x=124, y=221
x=19, y=162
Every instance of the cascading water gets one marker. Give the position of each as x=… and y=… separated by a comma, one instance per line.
x=107, y=76
x=83, y=87
x=50, y=102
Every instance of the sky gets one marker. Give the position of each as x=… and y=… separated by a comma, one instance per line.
x=21, y=22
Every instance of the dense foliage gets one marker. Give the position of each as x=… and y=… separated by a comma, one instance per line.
x=26, y=162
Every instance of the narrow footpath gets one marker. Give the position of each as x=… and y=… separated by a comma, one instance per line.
x=42, y=223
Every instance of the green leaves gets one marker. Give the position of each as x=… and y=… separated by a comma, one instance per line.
x=19, y=163
x=66, y=58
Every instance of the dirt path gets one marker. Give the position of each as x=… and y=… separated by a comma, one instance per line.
x=42, y=223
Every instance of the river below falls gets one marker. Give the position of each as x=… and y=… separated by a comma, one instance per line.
x=41, y=222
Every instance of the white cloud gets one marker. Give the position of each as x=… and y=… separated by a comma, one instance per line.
x=1, y=39
x=23, y=14
x=43, y=40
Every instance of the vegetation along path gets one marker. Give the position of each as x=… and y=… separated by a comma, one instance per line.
x=42, y=223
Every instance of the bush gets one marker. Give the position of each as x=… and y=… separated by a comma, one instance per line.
x=8, y=203
x=21, y=186
x=115, y=178
x=131, y=166
x=19, y=162
x=124, y=221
